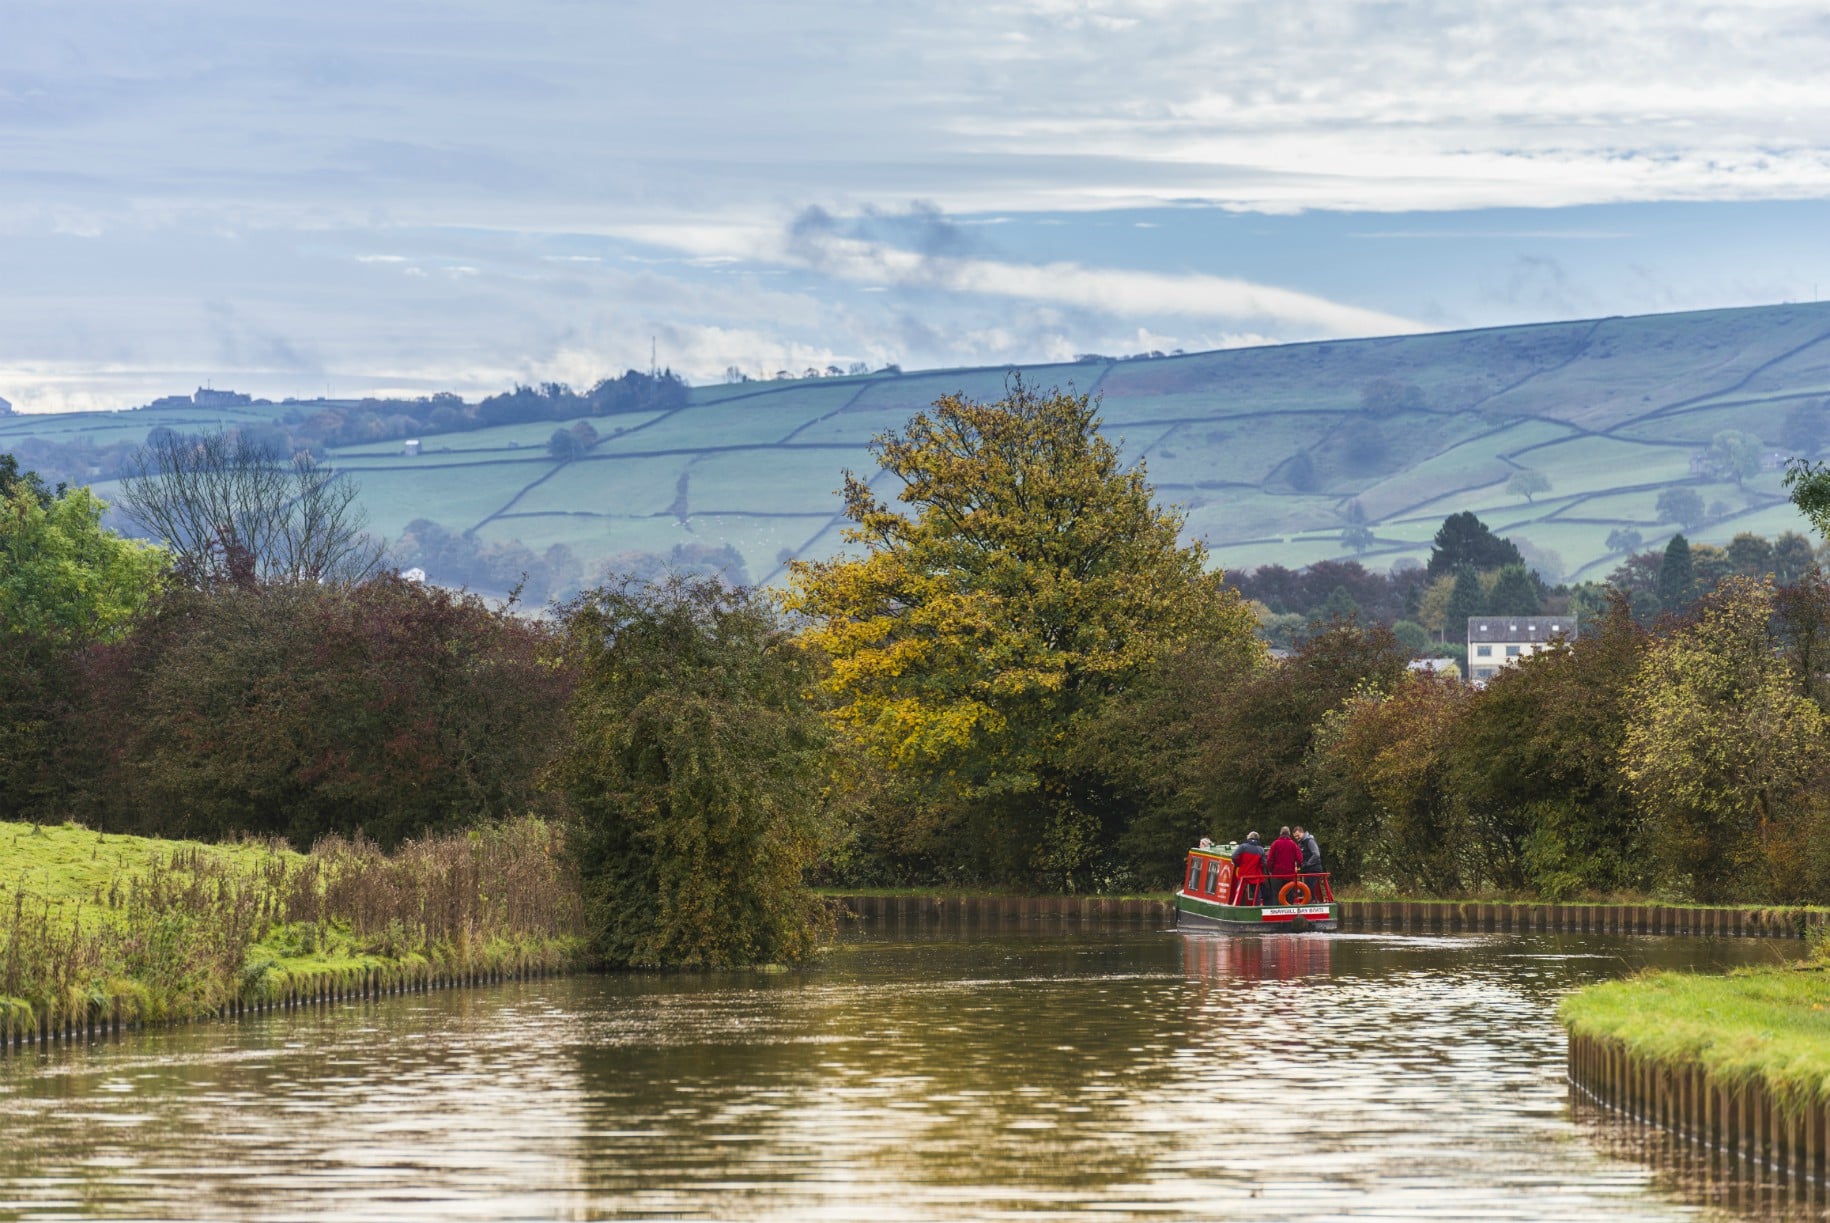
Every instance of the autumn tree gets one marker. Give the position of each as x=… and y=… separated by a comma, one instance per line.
x=300, y=709
x=1259, y=737
x=1030, y=578
x=1535, y=770
x=697, y=775
x=1719, y=739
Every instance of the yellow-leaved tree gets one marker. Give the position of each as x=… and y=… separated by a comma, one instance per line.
x=1720, y=741
x=977, y=630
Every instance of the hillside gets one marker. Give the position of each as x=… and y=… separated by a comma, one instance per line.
x=1270, y=449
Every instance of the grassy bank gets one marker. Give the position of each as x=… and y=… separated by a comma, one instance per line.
x=156, y=930
x=1765, y=1025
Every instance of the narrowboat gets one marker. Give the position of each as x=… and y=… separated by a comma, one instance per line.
x=1210, y=898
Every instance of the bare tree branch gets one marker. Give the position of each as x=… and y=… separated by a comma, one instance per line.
x=231, y=510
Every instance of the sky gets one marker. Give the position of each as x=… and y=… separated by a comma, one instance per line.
x=340, y=197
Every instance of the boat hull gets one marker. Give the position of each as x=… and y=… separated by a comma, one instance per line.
x=1195, y=913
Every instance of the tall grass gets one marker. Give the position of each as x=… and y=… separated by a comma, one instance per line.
x=194, y=929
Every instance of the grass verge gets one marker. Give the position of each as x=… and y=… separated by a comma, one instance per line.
x=1764, y=1025
x=147, y=930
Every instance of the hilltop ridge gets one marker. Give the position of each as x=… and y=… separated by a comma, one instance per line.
x=1561, y=435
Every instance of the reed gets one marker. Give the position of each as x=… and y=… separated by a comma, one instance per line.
x=163, y=930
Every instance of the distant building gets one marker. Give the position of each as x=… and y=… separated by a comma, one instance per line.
x=1501, y=641
x=1445, y=667
x=410, y=447
x=207, y=398
x=6, y=409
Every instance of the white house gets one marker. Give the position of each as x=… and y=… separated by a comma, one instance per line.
x=1500, y=641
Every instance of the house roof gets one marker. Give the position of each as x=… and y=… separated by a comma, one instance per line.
x=1520, y=628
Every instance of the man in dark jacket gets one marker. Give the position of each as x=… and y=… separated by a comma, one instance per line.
x=1312, y=853
x=1282, y=861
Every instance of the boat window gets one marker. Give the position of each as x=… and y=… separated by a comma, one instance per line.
x=1194, y=874
x=1213, y=875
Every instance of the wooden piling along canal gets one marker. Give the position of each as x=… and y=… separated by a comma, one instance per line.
x=1411, y=916
x=1739, y=1129
x=19, y=1030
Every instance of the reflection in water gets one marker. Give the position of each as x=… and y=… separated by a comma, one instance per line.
x=1703, y=1174
x=1126, y=1074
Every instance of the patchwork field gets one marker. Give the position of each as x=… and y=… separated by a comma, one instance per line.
x=1273, y=451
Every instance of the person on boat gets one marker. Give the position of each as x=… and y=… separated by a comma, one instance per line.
x=1248, y=871
x=1312, y=853
x=1282, y=861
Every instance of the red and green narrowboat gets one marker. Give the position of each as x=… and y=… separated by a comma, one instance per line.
x=1211, y=898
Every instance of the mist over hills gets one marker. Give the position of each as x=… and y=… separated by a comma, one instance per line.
x=1560, y=435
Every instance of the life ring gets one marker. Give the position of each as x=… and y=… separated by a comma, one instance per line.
x=1295, y=892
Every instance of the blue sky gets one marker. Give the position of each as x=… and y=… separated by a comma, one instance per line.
x=353, y=198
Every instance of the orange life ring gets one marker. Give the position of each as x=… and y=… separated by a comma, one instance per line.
x=1295, y=888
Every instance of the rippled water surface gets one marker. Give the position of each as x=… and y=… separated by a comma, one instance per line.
x=1094, y=1074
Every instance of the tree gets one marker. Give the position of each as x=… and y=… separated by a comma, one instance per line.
x=1792, y=558
x=1464, y=541
x=301, y=709
x=1750, y=555
x=1258, y=740
x=1676, y=576
x=1514, y=594
x=1680, y=505
x=1358, y=538
x=66, y=583
x=232, y=510
x=1718, y=741
x=1805, y=429
x=1299, y=471
x=1624, y=539
x=698, y=775
x=63, y=575
x=1466, y=601
x=970, y=640
x=1535, y=766
x=1528, y=483
x=1709, y=565
x=1735, y=453
x=1390, y=396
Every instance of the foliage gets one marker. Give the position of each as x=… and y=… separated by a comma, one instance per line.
x=232, y=509
x=1676, y=576
x=1466, y=600
x=389, y=708
x=1735, y=453
x=1718, y=741
x=1683, y=506
x=66, y=582
x=451, y=558
x=970, y=641
x=63, y=575
x=1527, y=483
x=1258, y=740
x=1535, y=766
x=1515, y=593
x=1463, y=541
x=697, y=773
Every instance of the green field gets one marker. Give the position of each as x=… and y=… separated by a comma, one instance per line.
x=1612, y=411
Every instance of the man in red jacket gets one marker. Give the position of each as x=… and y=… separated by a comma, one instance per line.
x=1282, y=862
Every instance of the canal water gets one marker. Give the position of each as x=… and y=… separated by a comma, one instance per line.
x=1085, y=1074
